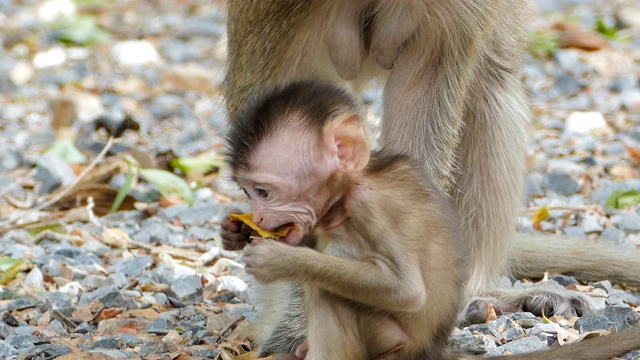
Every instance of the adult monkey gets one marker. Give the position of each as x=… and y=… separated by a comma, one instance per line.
x=452, y=99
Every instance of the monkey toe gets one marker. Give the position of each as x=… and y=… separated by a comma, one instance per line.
x=476, y=311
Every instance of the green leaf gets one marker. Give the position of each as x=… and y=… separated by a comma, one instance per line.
x=7, y=263
x=168, y=184
x=628, y=201
x=66, y=150
x=81, y=30
x=197, y=165
x=124, y=190
x=608, y=31
x=620, y=199
x=55, y=227
x=544, y=43
x=13, y=271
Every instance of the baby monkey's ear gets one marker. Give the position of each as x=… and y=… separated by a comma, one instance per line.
x=344, y=137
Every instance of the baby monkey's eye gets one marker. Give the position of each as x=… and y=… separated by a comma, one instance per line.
x=263, y=193
x=246, y=193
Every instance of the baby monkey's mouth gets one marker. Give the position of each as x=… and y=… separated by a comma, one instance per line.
x=277, y=233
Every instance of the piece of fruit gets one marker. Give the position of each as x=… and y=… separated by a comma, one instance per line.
x=248, y=219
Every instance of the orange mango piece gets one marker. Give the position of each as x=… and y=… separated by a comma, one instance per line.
x=248, y=219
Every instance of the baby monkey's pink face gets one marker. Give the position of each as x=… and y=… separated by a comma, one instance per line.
x=286, y=184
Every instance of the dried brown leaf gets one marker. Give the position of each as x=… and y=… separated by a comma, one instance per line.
x=634, y=151
x=148, y=313
x=176, y=253
x=623, y=172
x=116, y=238
x=83, y=313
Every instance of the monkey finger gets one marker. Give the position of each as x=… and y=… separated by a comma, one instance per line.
x=229, y=225
x=231, y=245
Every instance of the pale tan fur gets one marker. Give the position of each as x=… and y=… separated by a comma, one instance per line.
x=388, y=265
x=452, y=100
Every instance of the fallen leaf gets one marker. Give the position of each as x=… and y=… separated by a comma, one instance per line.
x=491, y=313
x=633, y=151
x=623, y=172
x=247, y=218
x=540, y=214
x=116, y=238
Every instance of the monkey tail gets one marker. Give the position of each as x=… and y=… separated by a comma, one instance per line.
x=584, y=259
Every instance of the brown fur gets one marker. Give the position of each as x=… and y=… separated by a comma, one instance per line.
x=452, y=98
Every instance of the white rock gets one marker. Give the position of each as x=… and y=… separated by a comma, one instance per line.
x=135, y=53
x=34, y=280
x=71, y=288
x=78, y=53
x=52, y=57
x=56, y=10
x=582, y=123
x=225, y=265
x=591, y=224
x=232, y=283
x=21, y=73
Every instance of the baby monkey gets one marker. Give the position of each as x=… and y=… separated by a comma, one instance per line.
x=383, y=267
x=387, y=270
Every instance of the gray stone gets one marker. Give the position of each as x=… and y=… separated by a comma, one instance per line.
x=630, y=99
x=161, y=326
x=109, y=296
x=616, y=317
x=604, y=285
x=634, y=133
x=628, y=221
x=106, y=343
x=186, y=285
x=190, y=215
x=547, y=338
x=474, y=344
x=622, y=298
x=57, y=327
x=47, y=351
x=152, y=231
x=94, y=246
x=521, y=346
x=10, y=158
x=568, y=85
x=178, y=51
x=590, y=224
x=9, y=319
x=24, y=330
x=614, y=149
x=542, y=327
x=21, y=341
x=612, y=234
x=575, y=231
x=564, y=280
x=624, y=83
x=127, y=340
x=52, y=173
x=84, y=328
x=5, y=330
x=132, y=267
x=560, y=183
x=114, y=353
x=631, y=355
x=21, y=303
x=7, y=351
x=209, y=353
x=569, y=62
x=56, y=301
x=513, y=333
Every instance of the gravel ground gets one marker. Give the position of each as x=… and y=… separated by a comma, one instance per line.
x=150, y=280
